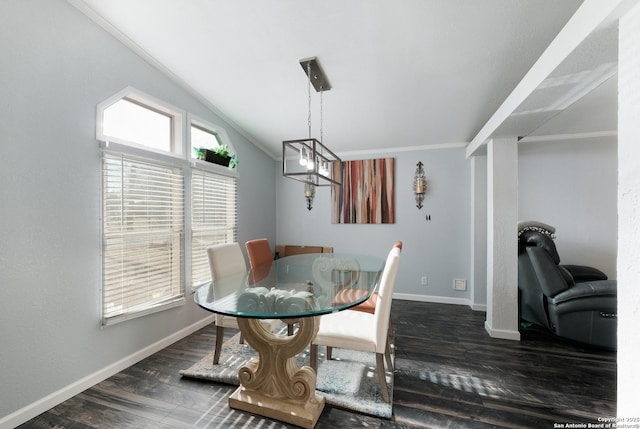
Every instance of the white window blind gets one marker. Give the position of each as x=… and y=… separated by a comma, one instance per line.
x=213, y=218
x=143, y=237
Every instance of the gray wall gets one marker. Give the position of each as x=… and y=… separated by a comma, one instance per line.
x=572, y=185
x=479, y=219
x=438, y=249
x=56, y=66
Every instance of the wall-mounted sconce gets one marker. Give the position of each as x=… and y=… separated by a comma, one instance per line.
x=419, y=184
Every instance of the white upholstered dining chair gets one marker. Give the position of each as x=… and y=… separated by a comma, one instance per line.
x=361, y=330
x=226, y=260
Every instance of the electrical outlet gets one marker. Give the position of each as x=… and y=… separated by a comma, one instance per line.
x=424, y=281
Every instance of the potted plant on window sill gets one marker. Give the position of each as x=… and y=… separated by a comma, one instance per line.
x=219, y=155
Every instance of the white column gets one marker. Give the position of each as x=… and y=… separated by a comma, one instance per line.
x=629, y=214
x=502, y=247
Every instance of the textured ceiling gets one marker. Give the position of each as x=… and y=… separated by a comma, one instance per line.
x=403, y=74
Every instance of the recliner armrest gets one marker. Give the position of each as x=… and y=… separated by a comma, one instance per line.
x=582, y=273
x=594, y=289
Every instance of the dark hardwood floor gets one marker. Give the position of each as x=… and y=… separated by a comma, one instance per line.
x=449, y=374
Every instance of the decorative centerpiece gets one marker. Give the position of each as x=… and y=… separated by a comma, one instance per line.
x=218, y=155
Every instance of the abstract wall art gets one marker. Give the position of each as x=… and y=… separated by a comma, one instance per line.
x=367, y=193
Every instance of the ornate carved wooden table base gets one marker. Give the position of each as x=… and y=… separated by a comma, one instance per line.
x=273, y=385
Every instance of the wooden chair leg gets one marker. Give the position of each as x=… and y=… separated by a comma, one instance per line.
x=313, y=357
x=219, y=340
x=329, y=352
x=382, y=379
x=388, y=347
x=289, y=329
x=241, y=341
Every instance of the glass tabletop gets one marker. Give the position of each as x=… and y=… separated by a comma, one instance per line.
x=294, y=286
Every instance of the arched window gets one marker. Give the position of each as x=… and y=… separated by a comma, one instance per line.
x=135, y=119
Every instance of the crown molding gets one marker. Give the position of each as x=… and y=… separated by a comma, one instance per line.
x=568, y=136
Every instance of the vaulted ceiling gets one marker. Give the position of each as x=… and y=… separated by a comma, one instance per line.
x=404, y=74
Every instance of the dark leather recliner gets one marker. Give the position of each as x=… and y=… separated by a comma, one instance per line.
x=573, y=301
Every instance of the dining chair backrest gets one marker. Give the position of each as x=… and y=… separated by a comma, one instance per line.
x=382, y=312
x=226, y=260
x=259, y=252
x=380, y=288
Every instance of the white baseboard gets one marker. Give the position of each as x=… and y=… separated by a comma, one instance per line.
x=479, y=307
x=40, y=406
x=502, y=333
x=441, y=300
x=431, y=298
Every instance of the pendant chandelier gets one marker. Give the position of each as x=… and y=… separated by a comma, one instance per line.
x=309, y=160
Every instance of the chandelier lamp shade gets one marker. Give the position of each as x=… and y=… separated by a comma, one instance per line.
x=308, y=160
x=309, y=193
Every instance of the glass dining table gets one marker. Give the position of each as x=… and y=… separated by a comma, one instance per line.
x=296, y=289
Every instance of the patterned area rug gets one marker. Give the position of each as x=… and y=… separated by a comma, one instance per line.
x=347, y=381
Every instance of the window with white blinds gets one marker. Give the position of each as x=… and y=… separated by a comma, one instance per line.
x=213, y=218
x=161, y=207
x=143, y=237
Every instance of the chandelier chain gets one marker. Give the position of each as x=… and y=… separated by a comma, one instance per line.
x=321, y=92
x=309, y=97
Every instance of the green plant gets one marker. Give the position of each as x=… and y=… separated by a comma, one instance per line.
x=222, y=150
x=199, y=153
x=234, y=161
